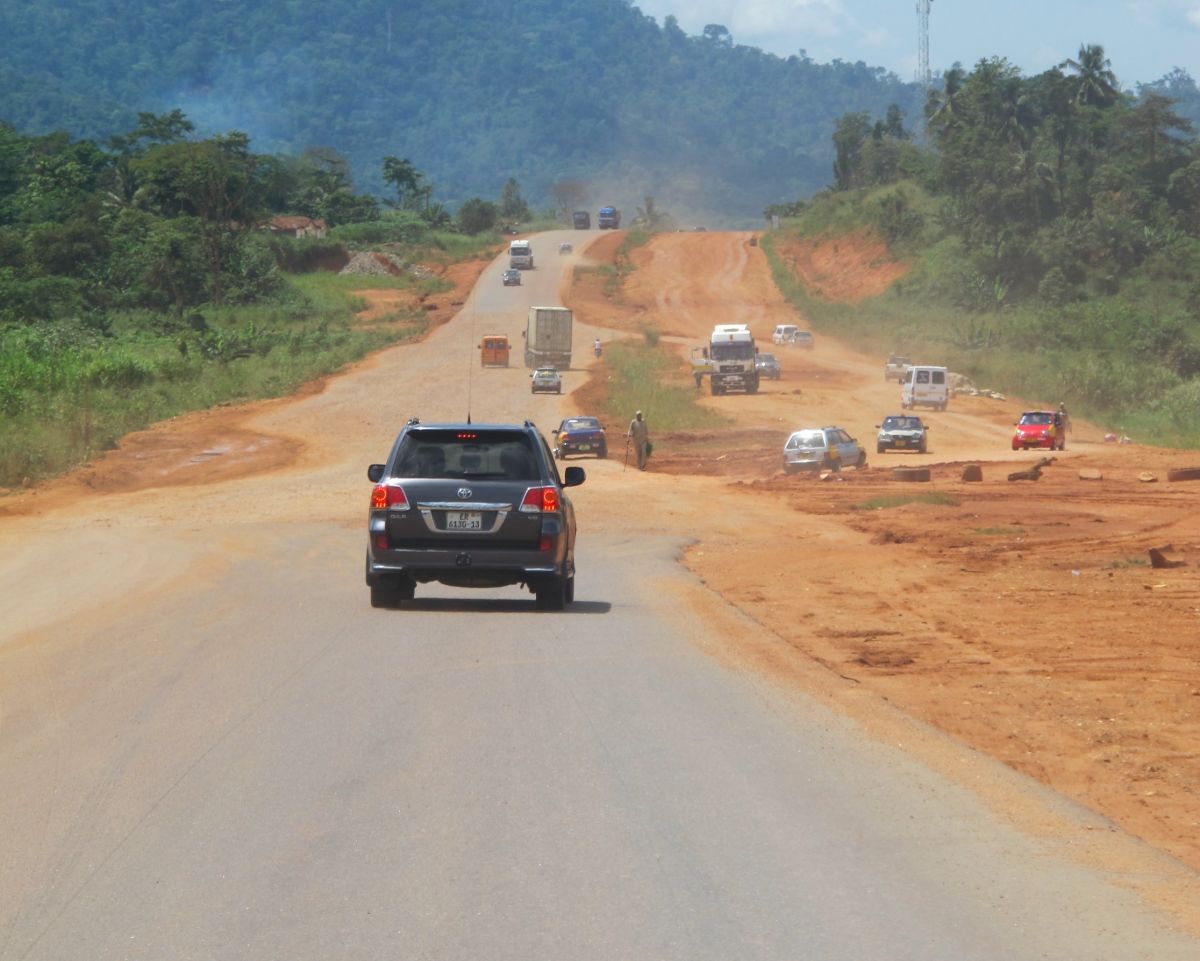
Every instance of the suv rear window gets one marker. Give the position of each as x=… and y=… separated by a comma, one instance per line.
x=466, y=453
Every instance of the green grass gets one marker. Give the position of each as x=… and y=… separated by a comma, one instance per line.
x=886, y=501
x=999, y=531
x=1128, y=562
x=648, y=378
x=1081, y=354
x=68, y=392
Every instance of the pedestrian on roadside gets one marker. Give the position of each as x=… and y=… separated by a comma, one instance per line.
x=639, y=436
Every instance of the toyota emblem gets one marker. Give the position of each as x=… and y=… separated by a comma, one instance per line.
x=464, y=493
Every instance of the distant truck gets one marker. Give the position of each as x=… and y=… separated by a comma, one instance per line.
x=609, y=218
x=582, y=220
x=731, y=354
x=548, y=338
x=520, y=255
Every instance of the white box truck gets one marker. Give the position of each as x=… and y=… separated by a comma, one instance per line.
x=548, y=338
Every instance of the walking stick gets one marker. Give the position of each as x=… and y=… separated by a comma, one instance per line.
x=626, y=467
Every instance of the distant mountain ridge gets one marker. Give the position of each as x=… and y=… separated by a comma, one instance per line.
x=472, y=91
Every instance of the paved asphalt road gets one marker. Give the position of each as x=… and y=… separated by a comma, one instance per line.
x=255, y=765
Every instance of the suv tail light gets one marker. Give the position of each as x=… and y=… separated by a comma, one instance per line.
x=540, y=500
x=388, y=497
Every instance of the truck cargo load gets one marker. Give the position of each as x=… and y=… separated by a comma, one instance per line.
x=548, y=332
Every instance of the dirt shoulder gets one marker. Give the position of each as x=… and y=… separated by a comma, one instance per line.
x=1021, y=618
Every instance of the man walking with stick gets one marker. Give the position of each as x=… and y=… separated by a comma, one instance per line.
x=639, y=435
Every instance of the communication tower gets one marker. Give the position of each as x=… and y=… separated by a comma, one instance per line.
x=924, y=77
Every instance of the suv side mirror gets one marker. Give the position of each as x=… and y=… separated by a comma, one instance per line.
x=375, y=473
x=574, y=477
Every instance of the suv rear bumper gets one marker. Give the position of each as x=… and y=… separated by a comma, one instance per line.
x=468, y=566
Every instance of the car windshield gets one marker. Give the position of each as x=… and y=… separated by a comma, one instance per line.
x=581, y=423
x=806, y=438
x=901, y=423
x=767, y=358
x=1037, y=418
x=465, y=453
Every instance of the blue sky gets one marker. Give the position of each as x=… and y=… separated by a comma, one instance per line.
x=1144, y=39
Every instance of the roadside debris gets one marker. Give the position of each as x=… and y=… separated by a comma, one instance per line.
x=1158, y=559
x=1033, y=473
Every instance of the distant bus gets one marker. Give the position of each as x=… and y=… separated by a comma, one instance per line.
x=582, y=220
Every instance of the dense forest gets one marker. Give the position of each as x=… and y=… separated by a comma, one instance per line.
x=590, y=91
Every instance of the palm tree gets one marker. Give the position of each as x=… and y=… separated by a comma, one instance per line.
x=943, y=106
x=1096, y=84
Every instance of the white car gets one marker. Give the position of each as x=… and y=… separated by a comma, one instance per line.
x=546, y=380
x=565, y=248
x=822, y=448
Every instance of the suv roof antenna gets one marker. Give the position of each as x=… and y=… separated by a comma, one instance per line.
x=470, y=353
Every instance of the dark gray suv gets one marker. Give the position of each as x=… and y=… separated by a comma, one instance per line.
x=471, y=505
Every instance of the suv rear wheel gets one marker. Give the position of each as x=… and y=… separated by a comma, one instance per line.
x=552, y=593
x=391, y=591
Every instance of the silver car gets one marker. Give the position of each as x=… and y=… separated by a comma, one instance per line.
x=822, y=448
x=545, y=380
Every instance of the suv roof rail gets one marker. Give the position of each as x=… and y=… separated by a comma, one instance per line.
x=412, y=420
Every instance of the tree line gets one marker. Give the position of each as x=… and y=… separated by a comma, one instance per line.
x=1057, y=186
x=162, y=220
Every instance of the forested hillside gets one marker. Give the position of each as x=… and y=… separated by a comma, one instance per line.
x=472, y=92
x=1053, y=227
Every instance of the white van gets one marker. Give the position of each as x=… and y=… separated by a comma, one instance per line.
x=784, y=334
x=926, y=387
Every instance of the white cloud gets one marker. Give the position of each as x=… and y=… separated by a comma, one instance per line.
x=781, y=26
x=1194, y=17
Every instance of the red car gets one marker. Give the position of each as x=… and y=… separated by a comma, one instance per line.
x=1040, y=428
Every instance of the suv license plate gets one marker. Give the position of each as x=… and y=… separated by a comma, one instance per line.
x=585, y=446
x=899, y=442
x=464, y=521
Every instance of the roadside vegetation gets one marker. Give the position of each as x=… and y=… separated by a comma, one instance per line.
x=138, y=281
x=888, y=501
x=641, y=375
x=1052, y=232
x=613, y=275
